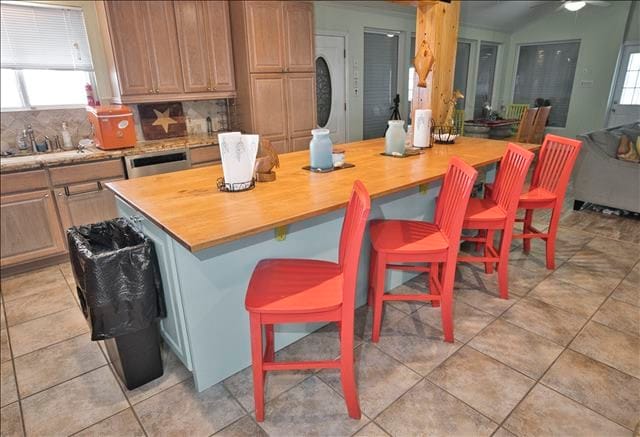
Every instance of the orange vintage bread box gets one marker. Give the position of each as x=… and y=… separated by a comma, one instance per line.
x=112, y=126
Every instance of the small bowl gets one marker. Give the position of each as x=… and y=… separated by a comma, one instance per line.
x=337, y=157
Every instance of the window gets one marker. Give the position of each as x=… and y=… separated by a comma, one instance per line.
x=461, y=74
x=546, y=71
x=631, y=86
x=486, y=74
x=45, y=56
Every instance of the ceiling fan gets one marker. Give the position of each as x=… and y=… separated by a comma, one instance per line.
x=576, y=5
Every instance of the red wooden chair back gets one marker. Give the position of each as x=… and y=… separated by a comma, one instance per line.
x=557, y=157
x=353, y=226
x=453, y=199
x=511, y=175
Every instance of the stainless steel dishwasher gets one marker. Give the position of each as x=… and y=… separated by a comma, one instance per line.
x=164, y=161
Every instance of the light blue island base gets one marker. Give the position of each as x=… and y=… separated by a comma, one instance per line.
x=207, y=325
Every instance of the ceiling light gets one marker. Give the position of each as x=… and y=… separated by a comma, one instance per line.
x=574, y=6
x=391, y=35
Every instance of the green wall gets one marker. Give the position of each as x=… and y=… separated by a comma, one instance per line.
x=352, y=21
x=601, y=33
x=633, y=26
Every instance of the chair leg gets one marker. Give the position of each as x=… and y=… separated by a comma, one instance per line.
x=488, y=266
x=503, y=263
x=551, y=237
x=347, y=370
x=433, y=288
x=378, y=292
x=270, y=342
x=372, y=277
x=526, y=242
x=446, y=301
x=256, y=361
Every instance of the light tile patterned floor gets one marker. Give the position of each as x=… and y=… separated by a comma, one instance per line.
x=561, y=357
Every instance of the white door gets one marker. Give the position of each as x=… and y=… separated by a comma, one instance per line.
x=330, y=83
x=625, y=107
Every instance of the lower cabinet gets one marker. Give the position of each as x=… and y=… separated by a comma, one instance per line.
x=81, y=204
x=172, y=327
x=30, y=228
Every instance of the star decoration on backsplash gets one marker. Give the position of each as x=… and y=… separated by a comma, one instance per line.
x=163, y=119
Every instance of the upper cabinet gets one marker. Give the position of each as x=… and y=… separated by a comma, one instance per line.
x=168, y=50
x=279, y=36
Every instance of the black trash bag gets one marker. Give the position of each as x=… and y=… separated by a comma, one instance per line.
x=117, y=277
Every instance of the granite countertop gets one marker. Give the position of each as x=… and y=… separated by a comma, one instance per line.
x=92, y=153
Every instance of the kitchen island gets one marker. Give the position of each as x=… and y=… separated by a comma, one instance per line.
x=208, y=242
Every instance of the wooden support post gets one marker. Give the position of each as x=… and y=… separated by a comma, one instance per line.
x=438, y=23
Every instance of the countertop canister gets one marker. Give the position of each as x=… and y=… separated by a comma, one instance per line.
x=321, y=149
x=422, y=128
x=394, y=138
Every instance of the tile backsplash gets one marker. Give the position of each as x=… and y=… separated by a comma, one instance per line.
x=49, y=121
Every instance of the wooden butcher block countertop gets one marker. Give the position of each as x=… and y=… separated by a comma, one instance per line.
x=189, y=207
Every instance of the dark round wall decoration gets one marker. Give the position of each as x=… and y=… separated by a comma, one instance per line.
x=323, y=91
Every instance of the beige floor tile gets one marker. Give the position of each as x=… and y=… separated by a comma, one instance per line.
x=11, y=421
x=74, y=405
x=371, y=430
x=547, y=413
x=568, y=297
x=418, y=346
x=323, y=344
x=34, y=282
x=482, y=382
x=380, y=379
x=3, y=322
x=467, y=320
x=619, y=315
x=487, y=302
x=8, y=391
x=245, y=427
x=587, y=278
x=545, y=320
x=629, y=289
x=174, y=372
x=181, y=410
x=502, y=432
x=364, y=319
x=428, y=410
x=603, y=263
x=415, y=286
x=615, y=348
x=37, y=305
x=120, y=425
x=472, y=276
x=57, y=363
x=605, y=390
x=5, y=351
x=517, y=348
x=610, y=226
x=44, y=331
x=67, y=272
x=311, y=409
x=622, y=251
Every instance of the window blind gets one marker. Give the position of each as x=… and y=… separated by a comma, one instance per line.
x=546, y=71
x=43, y=37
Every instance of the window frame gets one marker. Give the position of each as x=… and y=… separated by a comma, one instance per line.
x=533, y=43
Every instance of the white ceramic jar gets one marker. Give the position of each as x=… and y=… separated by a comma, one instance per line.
x=394, y=138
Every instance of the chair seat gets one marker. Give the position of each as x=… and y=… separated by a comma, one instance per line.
x=483, y=211
x=294, y=286
x=537, y=197
x=407, y=237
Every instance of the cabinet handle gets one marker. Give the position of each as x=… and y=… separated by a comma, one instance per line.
x=46, y=196
x=151, y=91
x=68, y=193
x=157, y=91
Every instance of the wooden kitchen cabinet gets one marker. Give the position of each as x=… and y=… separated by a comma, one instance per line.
x=301, y=98
x=205, y=155
x=298, y=33
x=270, y=104
x=30, y=227
x=265, y=36
x=204, y=37
x=86, y=203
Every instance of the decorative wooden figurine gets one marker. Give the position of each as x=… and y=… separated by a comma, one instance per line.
x=265, y=163
x=451, y=107
x=423, y=62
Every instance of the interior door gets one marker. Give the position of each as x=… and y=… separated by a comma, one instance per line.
x=625, y=107
x=331, y=103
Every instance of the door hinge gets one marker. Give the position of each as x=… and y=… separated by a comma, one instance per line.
x=344, y=53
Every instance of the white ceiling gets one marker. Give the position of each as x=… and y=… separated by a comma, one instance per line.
x=505, y=15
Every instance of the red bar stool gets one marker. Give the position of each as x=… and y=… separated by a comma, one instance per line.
x=300, y=290
x=417, y=243
x=548, y=187
x=497, y=212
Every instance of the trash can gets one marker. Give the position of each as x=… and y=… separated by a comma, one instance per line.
x=120, y=292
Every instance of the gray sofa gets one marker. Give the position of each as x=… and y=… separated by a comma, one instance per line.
x=601, y=178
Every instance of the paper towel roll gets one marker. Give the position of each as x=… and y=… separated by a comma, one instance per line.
x=422, y=128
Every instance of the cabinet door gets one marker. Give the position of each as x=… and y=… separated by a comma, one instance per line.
x=298, y=31
x=301, y=97
x=130, y=46
x=82, y=204
x=30, y=227
x=190, y=23
x=162, y=47
x=269, y=107
x=265, y=36
x=218, y=35
x=300, y=143
x=279, y=144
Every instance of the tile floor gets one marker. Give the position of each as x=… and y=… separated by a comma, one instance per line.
x=561, y=357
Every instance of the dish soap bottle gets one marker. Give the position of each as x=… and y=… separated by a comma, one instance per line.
x=66, y=137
